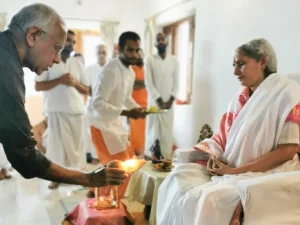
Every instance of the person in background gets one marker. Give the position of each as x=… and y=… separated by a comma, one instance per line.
x=40, y=134
x=93, y=72
x=162, y=74
x=64, y=86
x=115, y=51
x=34, y=39
x=139, y=95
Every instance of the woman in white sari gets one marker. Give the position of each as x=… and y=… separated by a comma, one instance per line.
x=259, y=135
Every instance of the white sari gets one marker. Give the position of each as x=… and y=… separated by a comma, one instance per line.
x=254, y=132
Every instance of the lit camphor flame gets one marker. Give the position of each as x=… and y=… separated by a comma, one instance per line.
x=133, y=165
x=130, y=165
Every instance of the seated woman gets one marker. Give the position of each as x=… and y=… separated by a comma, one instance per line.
x=259, y=135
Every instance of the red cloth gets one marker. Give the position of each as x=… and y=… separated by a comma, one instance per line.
x=84, y=215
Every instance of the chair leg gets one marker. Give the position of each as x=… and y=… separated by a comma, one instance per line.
x=147, y=211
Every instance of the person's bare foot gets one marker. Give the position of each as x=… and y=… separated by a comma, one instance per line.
x=53, y=185
x=6, y=173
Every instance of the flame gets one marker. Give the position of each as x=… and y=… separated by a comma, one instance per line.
x=130, y=165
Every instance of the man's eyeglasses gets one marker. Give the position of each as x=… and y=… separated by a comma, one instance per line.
x=57, y=48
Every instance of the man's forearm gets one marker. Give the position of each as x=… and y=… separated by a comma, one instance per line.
x=82, y=89
x=61, y=174
x=139, y=84
x=47, y=85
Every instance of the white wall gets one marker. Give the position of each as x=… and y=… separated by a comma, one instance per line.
x=130, y=13
x=221, y=27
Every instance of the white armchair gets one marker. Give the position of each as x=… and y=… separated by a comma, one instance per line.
x=188, y=155
x=269, y=200
x=272, y=199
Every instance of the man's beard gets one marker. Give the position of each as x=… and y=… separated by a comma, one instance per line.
x=162, y=49
x=67, y=51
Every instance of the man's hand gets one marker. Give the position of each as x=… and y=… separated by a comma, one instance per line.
x=136, y=113
x=106, y=176
x=169, y=103
x=160, y=103
x=68, y=80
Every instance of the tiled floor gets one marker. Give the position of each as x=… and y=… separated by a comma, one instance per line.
x=30, y=202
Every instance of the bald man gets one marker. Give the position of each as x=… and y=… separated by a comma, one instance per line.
x=93, y=71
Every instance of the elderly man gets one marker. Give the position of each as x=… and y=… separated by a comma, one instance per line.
x=161, y=72
x=93, y=72
x=64, y=86
x=34, y=39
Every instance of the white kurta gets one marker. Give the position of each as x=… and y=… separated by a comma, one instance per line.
x=65, y=108
x=112, y=94
x=4, y=163
x=256, y=127
x=161, y=78
x=93, y=72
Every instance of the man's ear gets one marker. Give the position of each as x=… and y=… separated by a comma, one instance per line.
x=32, y=34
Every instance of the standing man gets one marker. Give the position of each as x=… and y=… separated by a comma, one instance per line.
x=34, y=39
x=93, y=73
x=112, y=100
x=139, y=94
x=162, y=71
x=94, y=70
x=64, y=86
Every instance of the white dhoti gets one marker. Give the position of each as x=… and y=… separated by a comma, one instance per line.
x=65, y=144
x=161, y=79
x=160, y=127
x=4, y=163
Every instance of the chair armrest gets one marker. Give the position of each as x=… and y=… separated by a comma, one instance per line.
x=271, y=199
x=189, y=155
